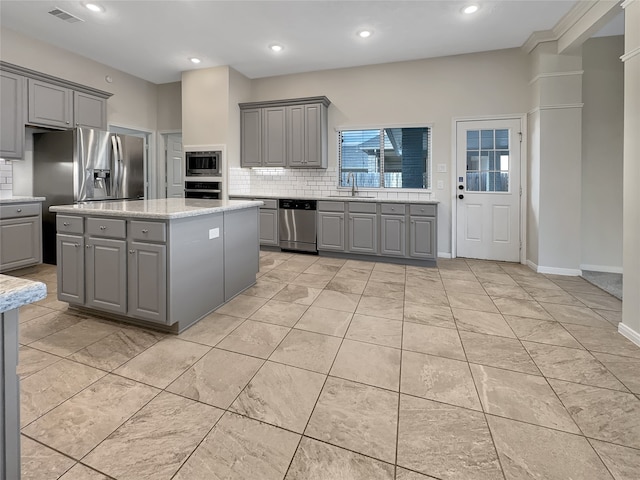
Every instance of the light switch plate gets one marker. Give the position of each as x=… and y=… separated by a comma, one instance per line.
x=440, y=185
x=214, y=233
x=442, y=168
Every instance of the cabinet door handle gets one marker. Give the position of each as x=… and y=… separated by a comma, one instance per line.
x=66, y=224
x=145, y=230
x=76, y=245
x=132, y=252
x=19, y=210
x=102, y=227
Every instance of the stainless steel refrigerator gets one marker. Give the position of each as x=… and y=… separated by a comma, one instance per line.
x=83, y=165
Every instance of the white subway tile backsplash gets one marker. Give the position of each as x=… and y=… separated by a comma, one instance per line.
x=6, y=175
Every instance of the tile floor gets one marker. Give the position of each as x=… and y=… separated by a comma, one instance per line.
x=332, y=369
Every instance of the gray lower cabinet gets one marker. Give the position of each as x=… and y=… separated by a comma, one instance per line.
x=269, y=223
x=11, y=120
x=421, y=237
x=147, y=281
x=70, y=257
x=20, y=235
x=106, y=274
x=363, y=233
x=331, y=231
x=392, y=235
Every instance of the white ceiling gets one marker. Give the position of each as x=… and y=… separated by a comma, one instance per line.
x=153, y=39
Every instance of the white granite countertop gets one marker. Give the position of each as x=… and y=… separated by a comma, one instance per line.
x=18, y=199
x=16, y=292
x=160, y=208
x=340, y=198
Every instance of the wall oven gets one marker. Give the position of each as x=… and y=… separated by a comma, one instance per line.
x=206, y=190
x=203, y=164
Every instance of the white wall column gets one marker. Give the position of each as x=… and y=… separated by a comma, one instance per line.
x=630, y=326
x=555, y=161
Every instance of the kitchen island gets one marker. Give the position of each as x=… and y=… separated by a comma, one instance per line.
x=163, y=263
x=14, y=293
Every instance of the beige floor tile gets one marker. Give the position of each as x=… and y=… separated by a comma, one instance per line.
x=603, y=302
x=155, y=441
x=76, y=337
x=325, y=320
x=380, y=331
x=576, y=315
x=82, y=422
x=211, y=329
x=356, y=417
x=572, y=365
x=367, y=363
x=41, y=463
x=319, y=461
x=217, y=378
x=51, y=386
x=521, y=308
x=264, y=288
x=346, y=285
x=282, y=276
x=387, y=277
x=390, y=308
x=239, y=448
x=626, y=369
x=579, y=287
x=29, y=312
x=612, y=317
x=242, y=306
x=162, y=363
x=389, y=267
x=360, y=264
x=602, y=414
x=308, y=350
x=80, y=472
x=297, y=294
x=254, y=338
x=313, y=280
x=51, y=301
x=348, y=273
x=507, y=291
x=482, y=322
x=499, y=352
x=529, y=451
x=113, y=350
x=384, y=290
x=345, y=302
x=404, y=474
x=556, y=295
x=463, y=286
x=604, y=340
x=46, y=325
x=439, y=379
x=270, y=262
x=541, y=331
x=279, y=313
x=32, y=361
x=469, y=301
x=434, y=315
x=322, y=269
x=536, y=281
x=463, y=275
x=443, y=342
x=623, y=462
x=336, y=262
x=281, y=395
x=458, y=445
x=521, y=397
x=495, y=278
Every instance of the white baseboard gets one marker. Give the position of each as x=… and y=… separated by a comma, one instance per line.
x=601, y=268
x=444, y=255
x=629, y=333
x=569, y=272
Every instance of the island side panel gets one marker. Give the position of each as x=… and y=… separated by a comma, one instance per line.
x=9, y=397
x=196, y=267
x=241, y=250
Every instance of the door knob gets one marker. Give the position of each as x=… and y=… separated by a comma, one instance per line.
x=460, y=187
x=460, y=196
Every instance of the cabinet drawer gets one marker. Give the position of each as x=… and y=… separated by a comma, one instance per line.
x=361, y=207
x=325, y=206
x=424, y=210
x=151, y=231
x=268, y=203
x=17, y=210
x=67, y=224
x=106, y=227
x=392, y=209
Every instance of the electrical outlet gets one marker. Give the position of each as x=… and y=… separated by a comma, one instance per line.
x=442, y=168
x=214, y=233
x=440, y=185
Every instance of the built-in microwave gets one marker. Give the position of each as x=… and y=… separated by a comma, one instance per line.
x=203, y=164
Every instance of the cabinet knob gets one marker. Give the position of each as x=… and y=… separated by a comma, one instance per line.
x=132, y=252
x=77, y=123
x=76, y=245
x=102, y=227
x=89, y=246
x=66, y=224
x=19, y=210
x=393, y=209
x=67, y=122
x=145, y=230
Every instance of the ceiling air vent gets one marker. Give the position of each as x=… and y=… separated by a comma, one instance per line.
x=66, y=16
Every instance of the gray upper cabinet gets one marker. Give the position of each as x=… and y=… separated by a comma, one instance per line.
x=284, y=133
x=50, y=105
x=89, y=111
x=11, y=121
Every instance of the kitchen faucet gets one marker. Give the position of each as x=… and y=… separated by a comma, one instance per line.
x=353, y=183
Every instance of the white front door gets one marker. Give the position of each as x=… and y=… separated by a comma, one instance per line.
x=488, y=190
x=175, y=166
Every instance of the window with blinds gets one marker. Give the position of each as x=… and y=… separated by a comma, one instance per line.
x=386, y=157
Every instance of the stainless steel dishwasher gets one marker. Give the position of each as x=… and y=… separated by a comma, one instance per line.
x=298, y=225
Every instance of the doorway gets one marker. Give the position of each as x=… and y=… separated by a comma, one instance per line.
x=488, y=189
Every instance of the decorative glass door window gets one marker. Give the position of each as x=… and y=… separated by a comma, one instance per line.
x=488, y=160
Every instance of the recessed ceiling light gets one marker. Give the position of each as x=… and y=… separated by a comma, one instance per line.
x=365, y=33
x=469, y=9
x=94, y=7
x=276, y=47
x=194, y=60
